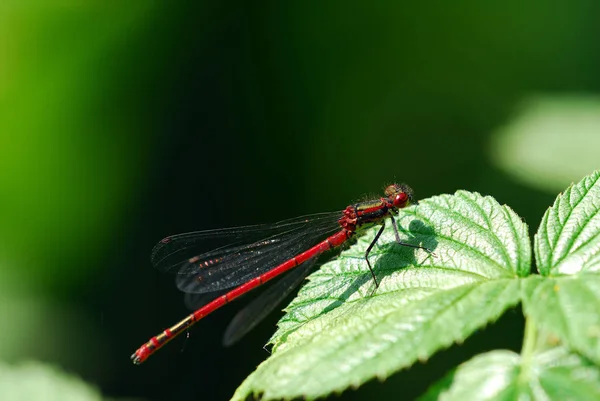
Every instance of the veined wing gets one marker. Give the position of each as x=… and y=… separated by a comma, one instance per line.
x=238, y=254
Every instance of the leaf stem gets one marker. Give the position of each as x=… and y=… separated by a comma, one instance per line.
x=527, y=351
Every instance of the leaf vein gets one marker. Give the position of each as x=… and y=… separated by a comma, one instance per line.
x=489, y=228
x=571, y=210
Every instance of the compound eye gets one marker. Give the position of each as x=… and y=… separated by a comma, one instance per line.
x=401, y=200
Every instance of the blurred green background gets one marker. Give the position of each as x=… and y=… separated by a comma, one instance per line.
x=121, y=123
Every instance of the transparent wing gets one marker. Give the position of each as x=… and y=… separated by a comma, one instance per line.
x=253, y=313
x=238, y=254
x=257, y=310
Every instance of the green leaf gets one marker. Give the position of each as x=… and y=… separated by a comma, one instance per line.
x=568, y=240
x=338, y=333
x=555, y=374
x=567, y=306
x=534, y=149
x=36, y=381
x=566, y=298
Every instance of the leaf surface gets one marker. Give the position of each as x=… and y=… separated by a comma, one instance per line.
x=339, y=333
x=554, y=374
x=565, y=299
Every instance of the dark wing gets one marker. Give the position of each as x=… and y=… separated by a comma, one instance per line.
x=249, y=251
x=253, y=313
x=259, y=308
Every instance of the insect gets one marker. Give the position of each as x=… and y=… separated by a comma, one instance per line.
x=257, y=254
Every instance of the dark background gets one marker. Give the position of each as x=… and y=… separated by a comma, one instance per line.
x=121, y=124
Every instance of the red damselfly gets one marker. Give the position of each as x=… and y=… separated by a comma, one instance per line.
x=257, y=254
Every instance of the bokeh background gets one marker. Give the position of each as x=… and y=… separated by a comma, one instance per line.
x=123, y=122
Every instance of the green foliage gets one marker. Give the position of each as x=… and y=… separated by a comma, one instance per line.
x=36, y=381
x=526, y=148
x=565, y=299
x=71, y=154
x=340, y=332
x=504, y=375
